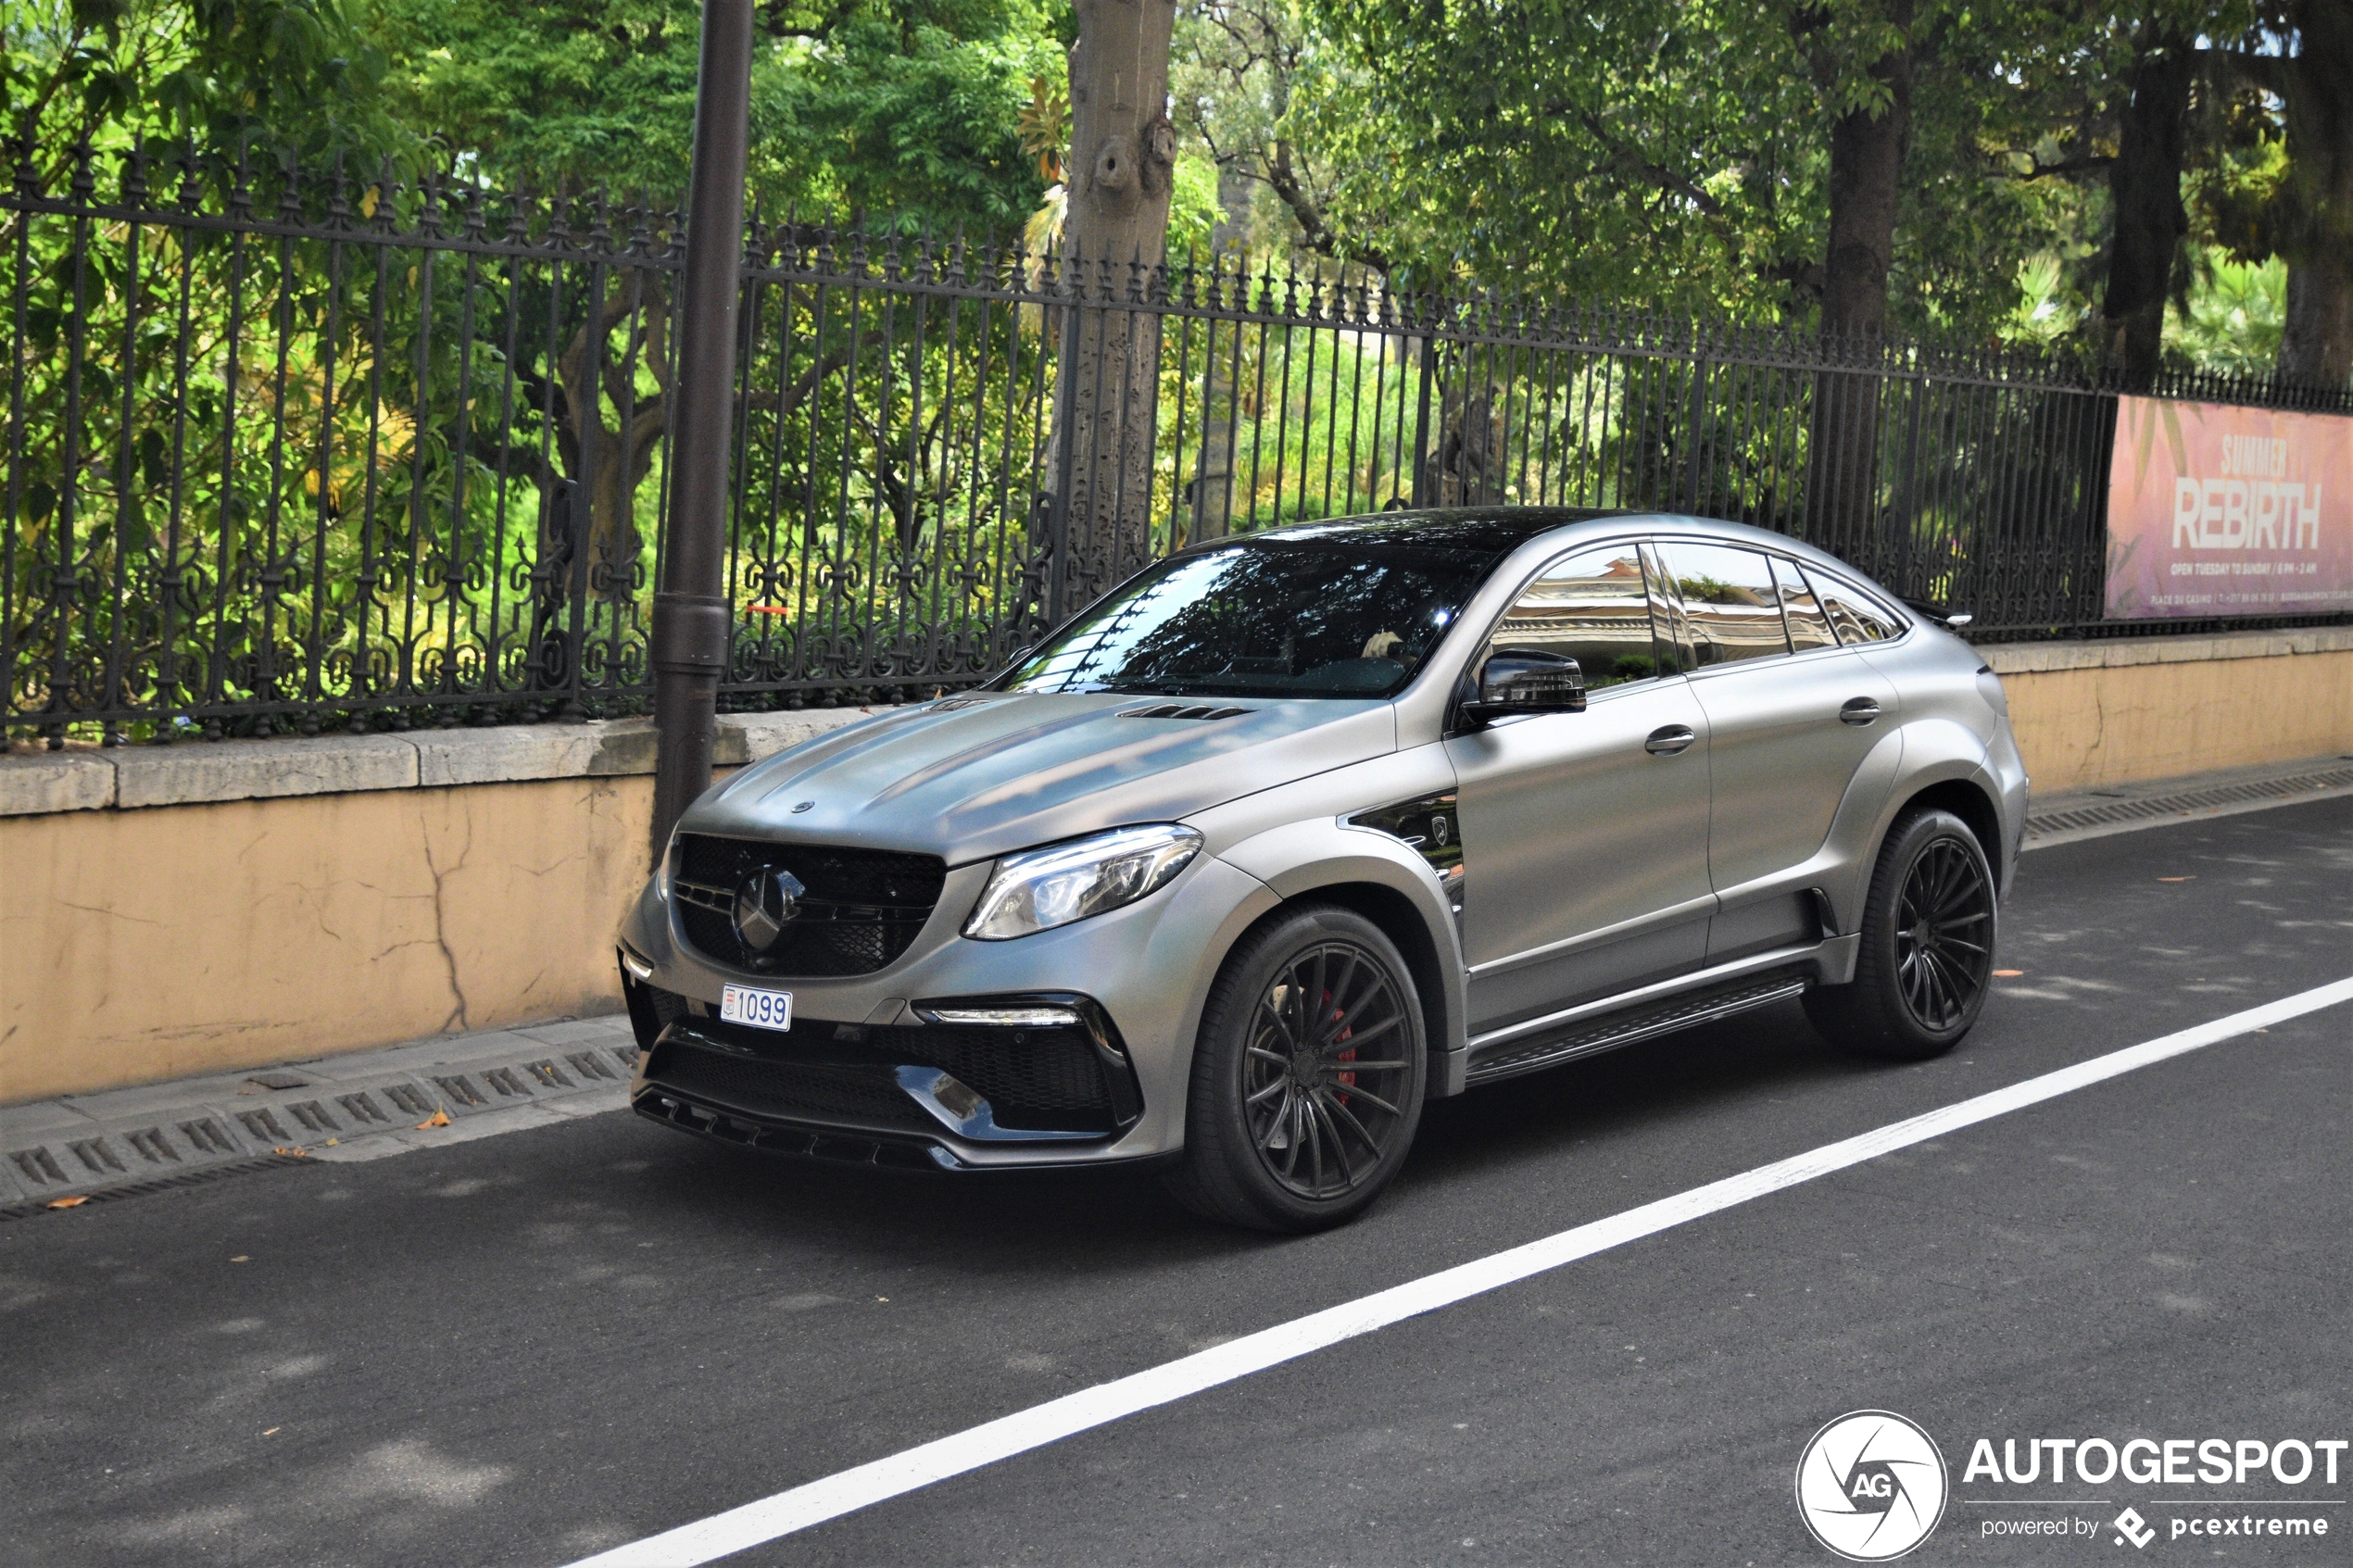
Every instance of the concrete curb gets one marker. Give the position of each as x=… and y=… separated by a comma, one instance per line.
x=357, y=1107
x=2116, y=653
x=129, y=777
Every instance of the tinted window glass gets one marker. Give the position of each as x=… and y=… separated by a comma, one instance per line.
x=1324, y=618
x=1729, y=598
x=1856, y=618
x=1808, y=627
x=1591, y=608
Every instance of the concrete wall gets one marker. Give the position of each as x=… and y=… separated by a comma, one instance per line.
x=199, y=908
x=204, y=907
x=2125, y=709
x=153, y=944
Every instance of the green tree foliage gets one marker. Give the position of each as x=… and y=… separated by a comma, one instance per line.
x=298, y=76
x=906, y=110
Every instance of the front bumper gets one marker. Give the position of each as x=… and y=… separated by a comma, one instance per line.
x=1144, y=970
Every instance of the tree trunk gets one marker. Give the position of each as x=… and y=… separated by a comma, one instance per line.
x=1866, y=186
x=2145, y=184
x=1212, y=510
x=1123, y=152
x=2318, y=345
x=1866, y=183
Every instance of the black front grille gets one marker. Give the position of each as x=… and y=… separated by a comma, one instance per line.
x=862, y=909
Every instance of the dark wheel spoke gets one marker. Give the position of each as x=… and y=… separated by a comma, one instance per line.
x=1339, y=1114
x=1358, y=1091
x=1357, y=1040
x=1333, y=1014
x=1323, y=1111
x=1290, y=1131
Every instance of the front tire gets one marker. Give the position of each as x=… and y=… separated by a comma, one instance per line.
x=1308, y=1075
x=1927, y=958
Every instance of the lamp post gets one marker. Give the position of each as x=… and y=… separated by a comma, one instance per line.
x=688, y=646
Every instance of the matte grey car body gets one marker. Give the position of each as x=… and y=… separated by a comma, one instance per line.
x=1689, y=844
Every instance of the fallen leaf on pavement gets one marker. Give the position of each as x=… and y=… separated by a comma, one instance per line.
x=297, y=1150
x=2007, y=974
x=438, y=1118
x=241, y=1258
x=2177, y=879
x=68, y=1202
x=273, y=1432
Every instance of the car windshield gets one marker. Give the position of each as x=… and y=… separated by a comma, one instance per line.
x=1326, y=617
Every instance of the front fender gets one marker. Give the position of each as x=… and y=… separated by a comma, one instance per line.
x=1298, y=860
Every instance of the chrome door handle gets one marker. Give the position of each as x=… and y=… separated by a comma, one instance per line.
x=1669, y=739
x=1858, y=711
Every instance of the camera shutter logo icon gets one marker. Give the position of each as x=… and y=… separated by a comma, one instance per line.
x=1872, y=1485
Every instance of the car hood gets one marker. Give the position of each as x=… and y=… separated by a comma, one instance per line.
x=972, y=778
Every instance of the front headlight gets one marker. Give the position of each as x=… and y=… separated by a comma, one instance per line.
x=1040, y=890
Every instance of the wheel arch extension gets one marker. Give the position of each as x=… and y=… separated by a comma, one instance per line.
x=1968, y=801
x=1402, y=924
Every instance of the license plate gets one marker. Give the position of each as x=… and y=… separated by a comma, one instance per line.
x=761, y=1009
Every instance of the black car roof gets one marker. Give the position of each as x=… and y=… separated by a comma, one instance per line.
x=1492, y=531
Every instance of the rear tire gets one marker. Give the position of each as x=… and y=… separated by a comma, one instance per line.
x=1926, y=957
x=1307, y=1077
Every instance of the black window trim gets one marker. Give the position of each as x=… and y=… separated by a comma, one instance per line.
x=1903, y=620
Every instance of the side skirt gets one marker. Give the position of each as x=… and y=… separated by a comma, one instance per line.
x=1698, y=998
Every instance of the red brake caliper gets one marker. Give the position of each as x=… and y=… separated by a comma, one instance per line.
x=1345, y=1080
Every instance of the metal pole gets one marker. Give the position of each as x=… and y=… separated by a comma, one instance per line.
x=690, y=640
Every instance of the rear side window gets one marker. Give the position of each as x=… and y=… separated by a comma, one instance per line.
x=1730, y=600
x=1855, y=617
x=1591, y=608
x=1808, y=626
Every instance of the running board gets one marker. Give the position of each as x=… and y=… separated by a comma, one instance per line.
x=1608, y=1033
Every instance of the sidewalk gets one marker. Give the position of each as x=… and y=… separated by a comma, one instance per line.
x=2094, y=813
x=360, y=1106
x=369, y=1104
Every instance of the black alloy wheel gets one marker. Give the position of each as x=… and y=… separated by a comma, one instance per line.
x=1308, y=1075
x=1324, y=1071
x=1926, y=956
x=1944, y=930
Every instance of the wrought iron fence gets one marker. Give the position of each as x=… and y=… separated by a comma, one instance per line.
x=290, y=449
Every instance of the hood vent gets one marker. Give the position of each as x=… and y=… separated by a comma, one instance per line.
x=1182, y=710
x=951, y=704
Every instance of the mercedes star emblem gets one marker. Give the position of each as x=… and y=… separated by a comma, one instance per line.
x=766, y=904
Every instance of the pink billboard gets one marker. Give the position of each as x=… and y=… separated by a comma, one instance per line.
x=2216, y=510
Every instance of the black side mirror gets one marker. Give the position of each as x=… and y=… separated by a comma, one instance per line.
x=1526, y=681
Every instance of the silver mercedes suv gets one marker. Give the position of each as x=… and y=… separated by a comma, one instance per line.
x=1294, y=833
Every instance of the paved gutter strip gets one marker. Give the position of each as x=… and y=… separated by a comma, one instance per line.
x=2096, y=813
x=357, y=1107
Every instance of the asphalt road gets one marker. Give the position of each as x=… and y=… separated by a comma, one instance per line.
x=523, y=1348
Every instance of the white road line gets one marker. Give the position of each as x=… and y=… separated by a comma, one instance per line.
x=706, y=1540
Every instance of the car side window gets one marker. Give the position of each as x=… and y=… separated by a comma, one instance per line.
x=1730, y=600
x=1808, y=626
x=1855, y=617
x=1593, y=607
